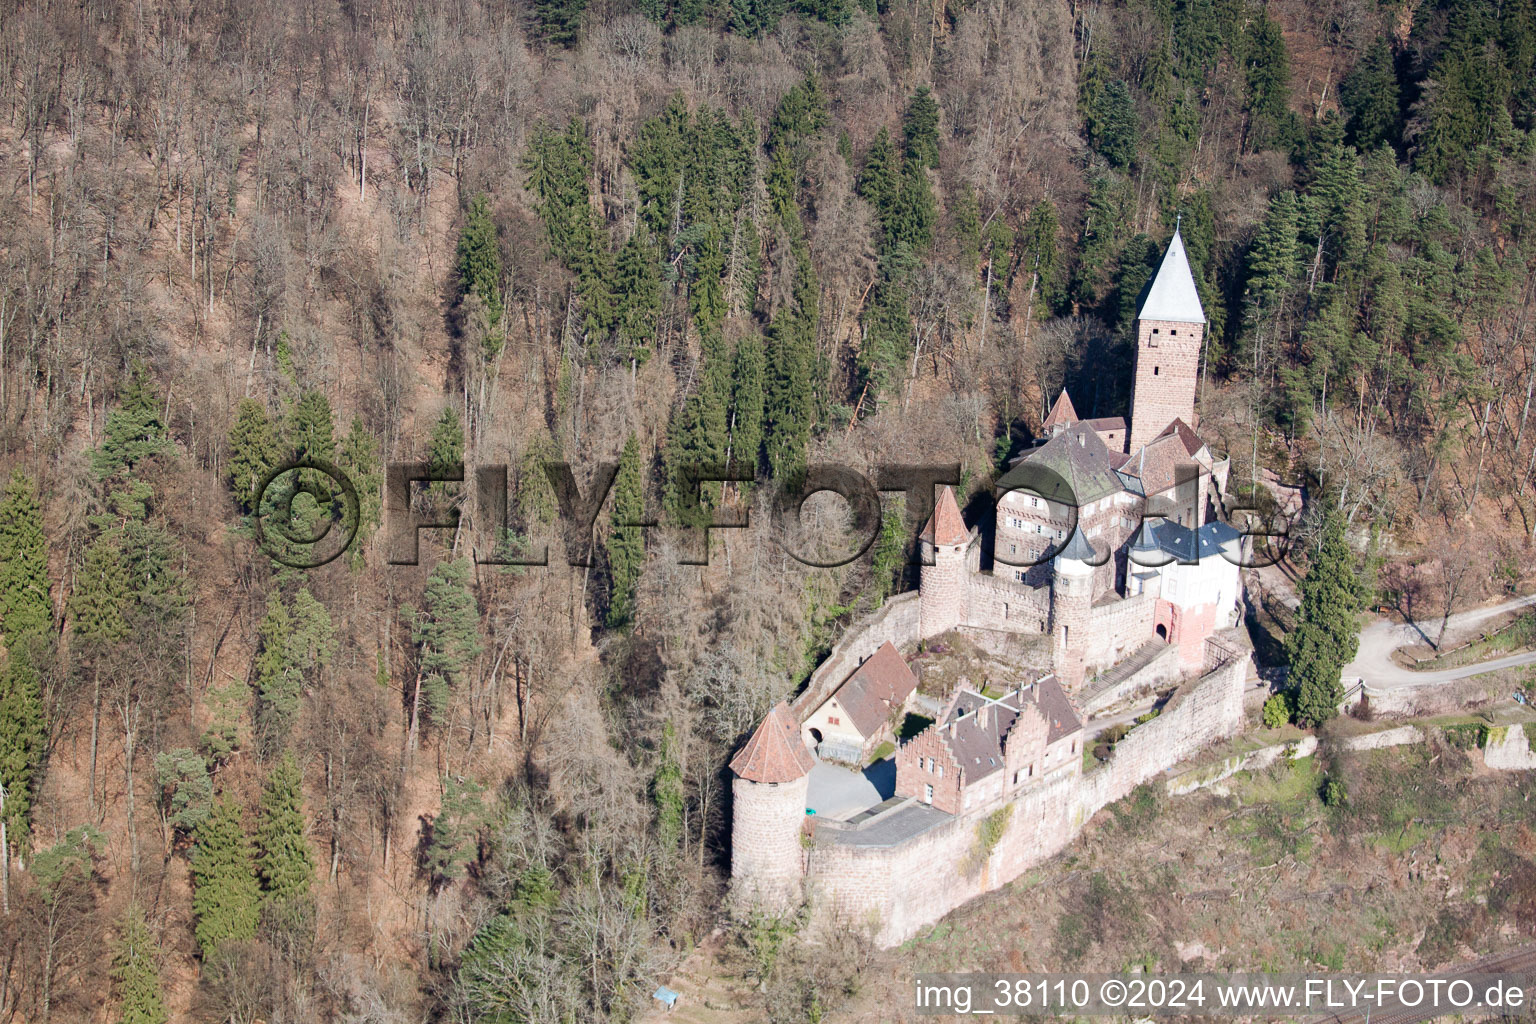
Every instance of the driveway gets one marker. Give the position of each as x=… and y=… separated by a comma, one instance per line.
x=1374, y=663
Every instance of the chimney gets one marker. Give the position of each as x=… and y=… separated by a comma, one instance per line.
x=1082, y=440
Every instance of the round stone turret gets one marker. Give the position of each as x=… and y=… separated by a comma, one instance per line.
x=942, y=597
x=768, y=813
x=1072, y=605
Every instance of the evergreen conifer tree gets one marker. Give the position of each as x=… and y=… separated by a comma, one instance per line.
x=226, y=898
x=22, y=735
x=283, y=860
x=26, y=612
x=1369, y=96
x=310, y=430
x=447, y=633
x=454, y=829
x=1328, y=633
x=360, y=461
x=920, y=127
x=134, y=431
x=477, y=260
x=136, y=970
x=253, y=451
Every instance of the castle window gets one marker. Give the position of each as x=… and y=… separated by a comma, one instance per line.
x=1034, y=502
x=941, y=771
x=834, y=721
x=1154, y=371
x=927, y=794
x=1173, y=332
x=1015, y=778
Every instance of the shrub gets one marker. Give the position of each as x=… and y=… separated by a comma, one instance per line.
x=1333, y=792
x=1278, y=710
x=1467, y=736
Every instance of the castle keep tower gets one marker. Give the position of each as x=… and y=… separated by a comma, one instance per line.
x=1169, y=329
x=768, y=812
x=942, y=596
x=1072, y=606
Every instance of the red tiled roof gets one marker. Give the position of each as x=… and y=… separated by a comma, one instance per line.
x=946, y=525
x=1186, y=433
x=1057, y=708
x=1062, y=413
x=883, y=682
x=775, y=752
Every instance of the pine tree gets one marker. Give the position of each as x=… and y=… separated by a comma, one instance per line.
x=310, y=432
x=748, y=375
x=920, y=127
x=447, y=633
x=253, y=451
x=134, y=431
x=477, y=261
x=136, y=970
x=1038, y=255
x=278, y=686
x=1369, y=96
x=1269, y=88
x=667, y=793
x=559, y=21
x=22, y=734
x=637, y=283
x=626, y=543
x=789, y=403
x=283, y=860
x=296, y=642
x=454, y=830
x=26, y=611
x=186, y=790
x=1272, y=258
x=226, y=898
x=360, y=461
x=96, y=608
x=1328, y=634
x=1112, y=126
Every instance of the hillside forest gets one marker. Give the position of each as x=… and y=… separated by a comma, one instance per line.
x=637, y=236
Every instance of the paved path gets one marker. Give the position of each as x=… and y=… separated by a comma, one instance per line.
x=1379, y=640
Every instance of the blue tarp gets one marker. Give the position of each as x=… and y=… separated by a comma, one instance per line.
x=665, y=995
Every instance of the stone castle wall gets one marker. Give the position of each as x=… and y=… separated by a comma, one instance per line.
x=1118, y=627
x=996, y=602
x=902, y=888
x=898, y=621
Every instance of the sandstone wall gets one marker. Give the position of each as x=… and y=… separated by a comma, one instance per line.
x=1118, y=627
x=906, y=887
x=1509, y=749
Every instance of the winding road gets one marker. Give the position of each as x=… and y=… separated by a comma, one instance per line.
x=1373, y=663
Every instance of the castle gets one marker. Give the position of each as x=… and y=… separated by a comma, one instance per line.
x=1107, y=560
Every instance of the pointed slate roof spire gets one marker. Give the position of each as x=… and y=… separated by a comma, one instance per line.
x=946, y=525
x=775, y=752
x=1173, y=295
x=1062, y=413
x=1078, y=548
